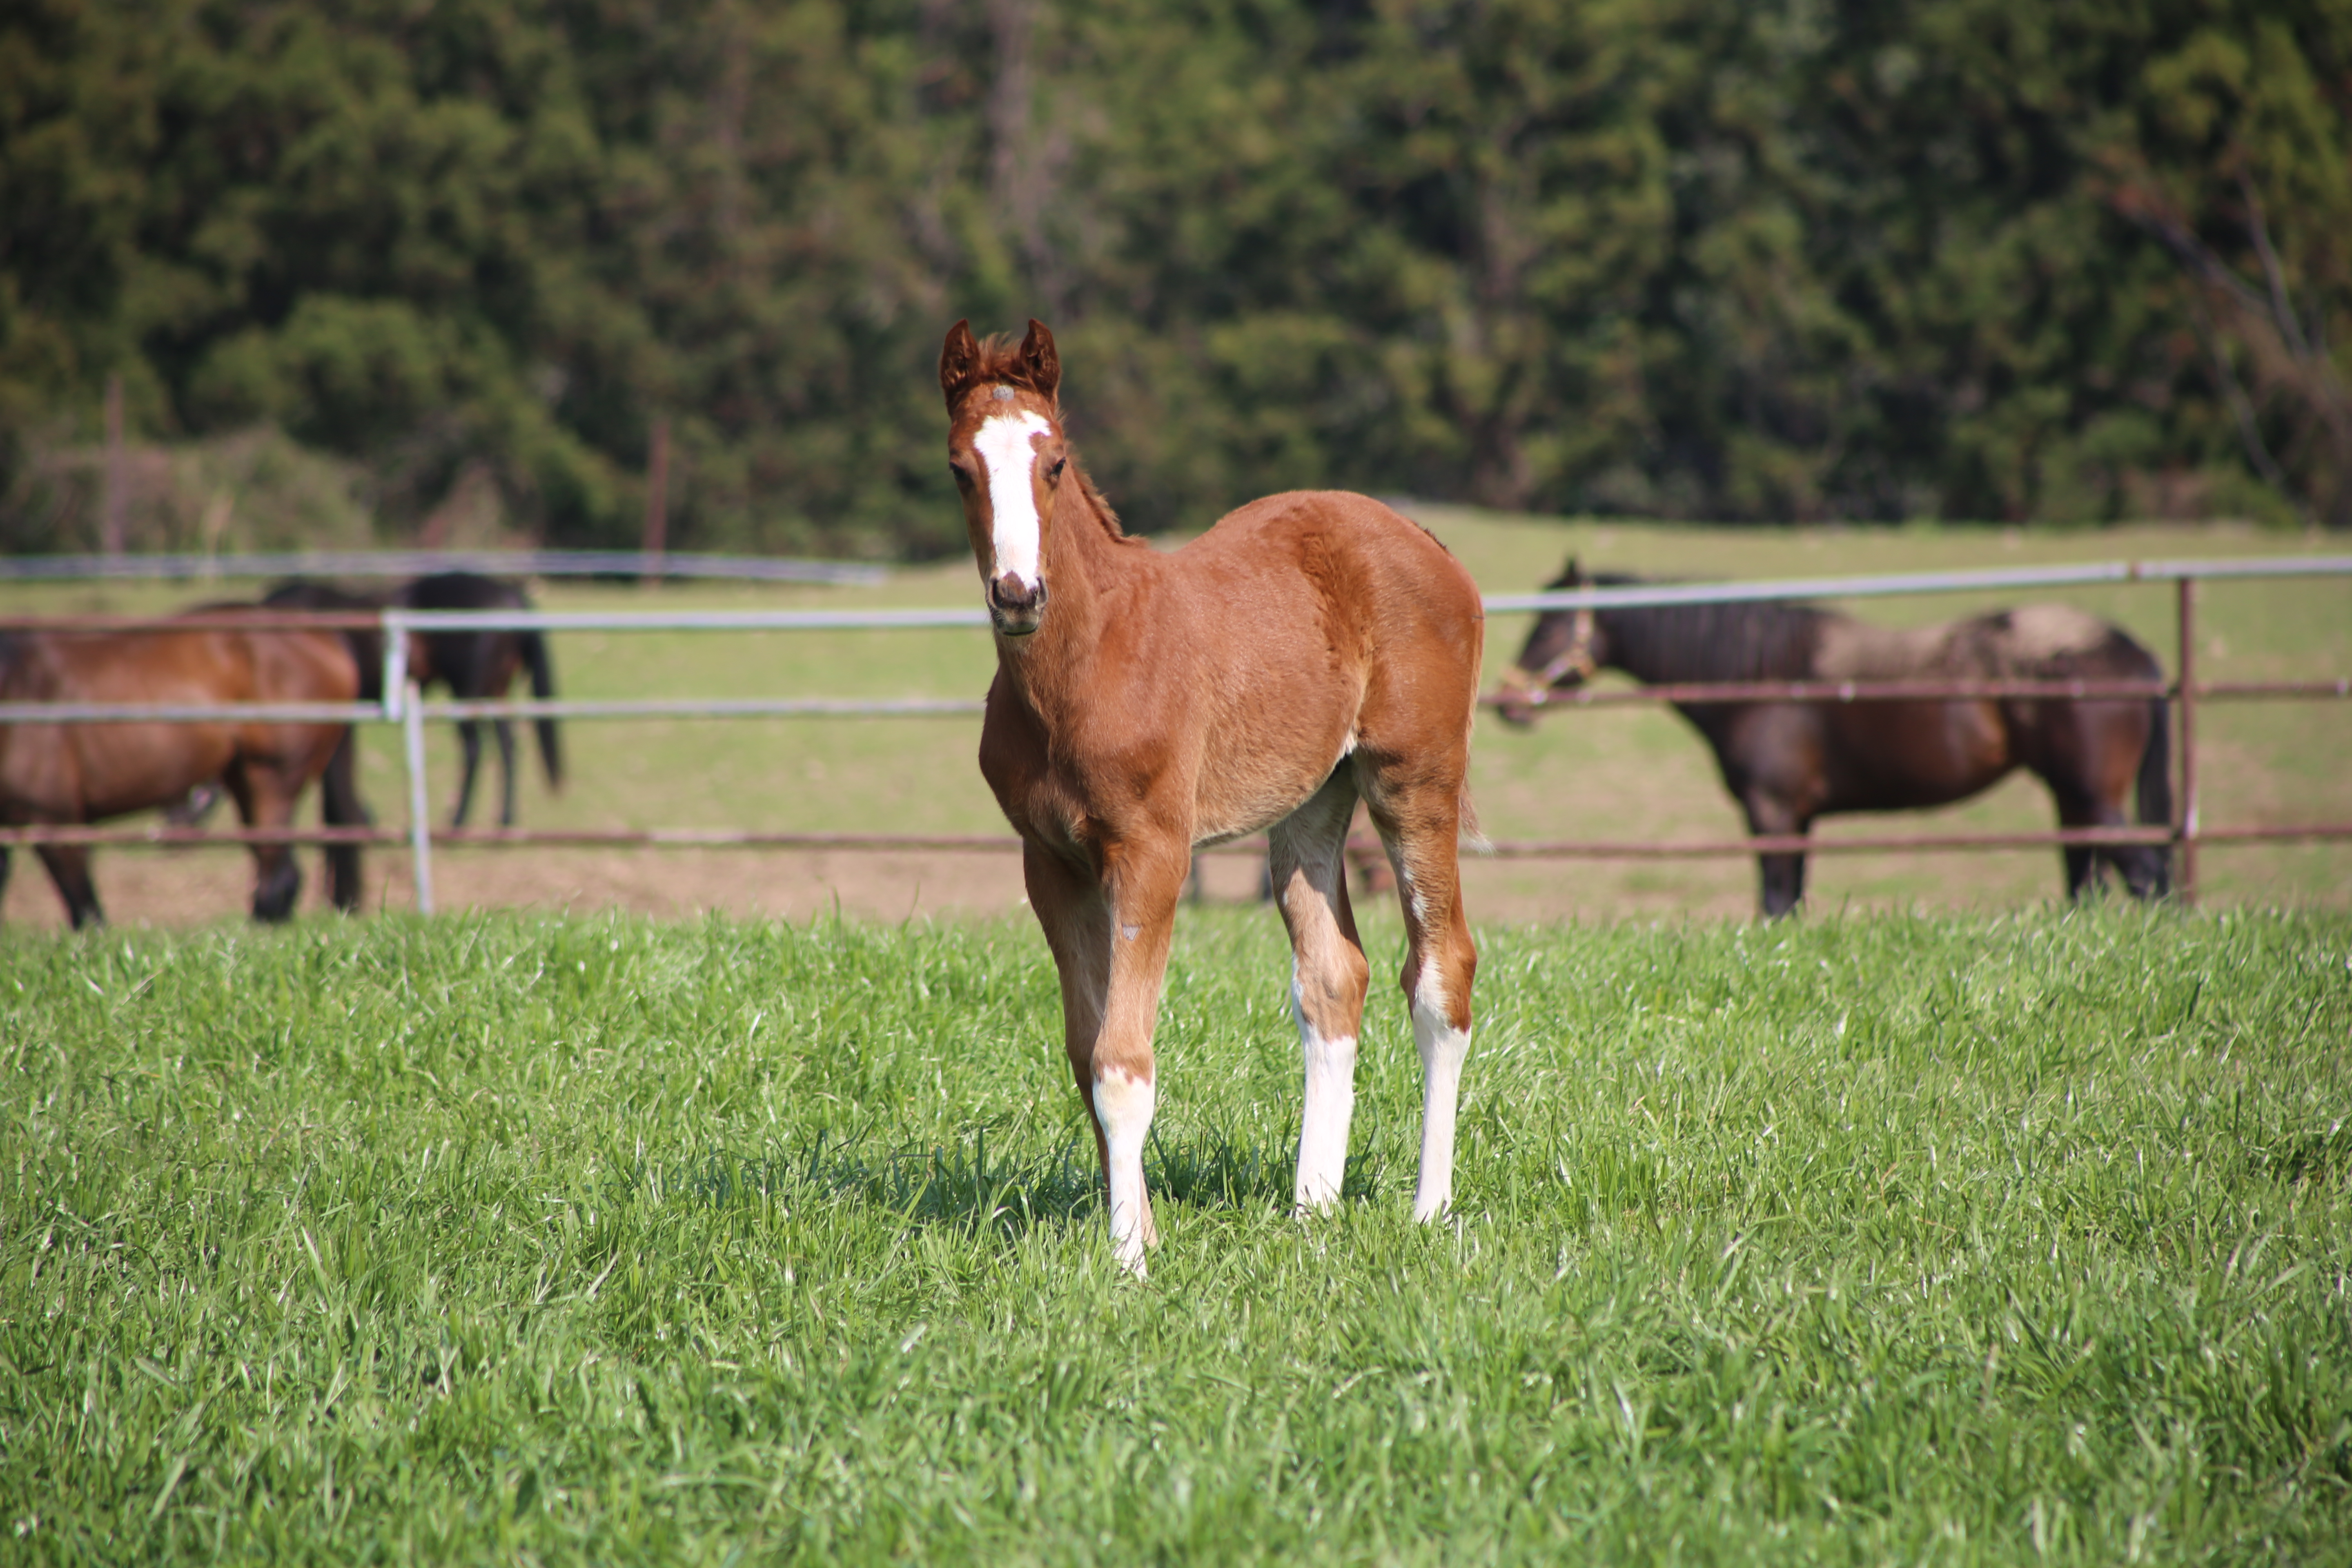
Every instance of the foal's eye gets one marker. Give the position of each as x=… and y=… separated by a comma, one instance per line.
x=962, y=475
x=1054, y=474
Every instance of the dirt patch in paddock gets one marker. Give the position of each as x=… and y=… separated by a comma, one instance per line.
x=178, y=887
x=183, y=887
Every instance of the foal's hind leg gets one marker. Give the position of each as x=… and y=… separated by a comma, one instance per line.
x=1420, y=822
x=1328, y=977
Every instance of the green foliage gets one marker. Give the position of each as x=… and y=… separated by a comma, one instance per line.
x=249, y=489
x=1971, y=259
x=593, y=1240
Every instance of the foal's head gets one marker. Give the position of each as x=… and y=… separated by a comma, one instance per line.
x=1006, y=450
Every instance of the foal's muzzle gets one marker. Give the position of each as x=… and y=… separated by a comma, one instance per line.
x=1014, y=607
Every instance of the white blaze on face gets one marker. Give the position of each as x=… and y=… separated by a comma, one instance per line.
x=1004, y=445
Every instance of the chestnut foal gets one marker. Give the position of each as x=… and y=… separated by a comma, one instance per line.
x=1309, y=649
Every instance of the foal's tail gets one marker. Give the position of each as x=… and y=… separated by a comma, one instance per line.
x=1467, y=835
x=542, y=687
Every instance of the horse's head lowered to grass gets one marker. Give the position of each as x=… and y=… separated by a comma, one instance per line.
x=1006, y=449
x=1564, y=650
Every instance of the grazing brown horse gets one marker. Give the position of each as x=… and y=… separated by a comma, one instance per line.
x=1310, y=648
x=56, y=774
x=1790, y=763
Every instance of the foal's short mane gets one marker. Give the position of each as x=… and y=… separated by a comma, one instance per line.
x=1666, y=643
x=1000, y=361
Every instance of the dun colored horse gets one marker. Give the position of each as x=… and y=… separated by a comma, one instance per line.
x=59, y=773
x=1310, y=648
x=1790, y=763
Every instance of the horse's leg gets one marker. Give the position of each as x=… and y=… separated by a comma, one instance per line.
x=2092, y=755
x=1780, y=878
x=1420, y=822
x=1110, y=941
x=263, y=801
x=1306, y=859
x=469, y=743
x=341, y=806
x=2077, y=808
x=68, y=868
x=2115, y=747
x=505, y=732
x=1069, y=908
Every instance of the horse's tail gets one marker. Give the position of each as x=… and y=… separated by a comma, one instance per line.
x=542, y=687
x=341, y=806
x=2156, y=783
x=1467, y=835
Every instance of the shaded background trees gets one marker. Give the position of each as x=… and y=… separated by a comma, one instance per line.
x=1962, y=258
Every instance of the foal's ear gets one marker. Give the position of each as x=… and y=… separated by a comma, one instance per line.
x=1570, y=576
x=958, y=362
x=1042, y=365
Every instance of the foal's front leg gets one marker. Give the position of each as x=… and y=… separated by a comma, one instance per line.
x=1110, y=934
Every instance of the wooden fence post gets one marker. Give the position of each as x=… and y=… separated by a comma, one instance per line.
x=113, y=503
x=657, y=542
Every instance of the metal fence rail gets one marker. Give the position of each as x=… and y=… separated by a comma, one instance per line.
x=402, y=705
x=419, y=562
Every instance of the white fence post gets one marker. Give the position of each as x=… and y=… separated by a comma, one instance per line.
x=420, y=819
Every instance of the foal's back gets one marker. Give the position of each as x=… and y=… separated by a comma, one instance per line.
x=1323, y=580
x=1319, y=623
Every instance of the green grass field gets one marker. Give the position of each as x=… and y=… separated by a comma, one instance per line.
x=1911, y=1239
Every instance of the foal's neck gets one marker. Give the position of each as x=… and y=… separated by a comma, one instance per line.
x=1086, y=562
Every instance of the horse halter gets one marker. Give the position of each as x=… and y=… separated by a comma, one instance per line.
x=1576, y=660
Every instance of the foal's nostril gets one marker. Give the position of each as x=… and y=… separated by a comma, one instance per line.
x=1011, y=591
x=1010, y=596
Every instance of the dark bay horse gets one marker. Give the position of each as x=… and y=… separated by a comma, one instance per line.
x=482, y=667
x=60, y=774
x=1309, y=649
x=474, y=665
x=1790, y=763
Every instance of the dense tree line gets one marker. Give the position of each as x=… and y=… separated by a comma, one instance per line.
x=1722, y=259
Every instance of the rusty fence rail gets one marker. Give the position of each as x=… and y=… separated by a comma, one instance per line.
x=403, y=705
